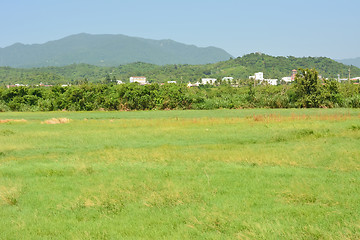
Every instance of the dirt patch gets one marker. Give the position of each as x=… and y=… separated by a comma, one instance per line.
x=56, y=121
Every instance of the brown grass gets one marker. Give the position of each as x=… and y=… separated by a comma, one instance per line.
x=56, y=121
x=299, y=117
x=9, y=195
x=12, y=120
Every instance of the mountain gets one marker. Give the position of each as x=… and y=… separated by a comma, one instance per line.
x=351, y=61
x=107, y=50
x=238, y=68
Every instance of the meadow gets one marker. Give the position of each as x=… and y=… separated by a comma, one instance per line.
x=216, y=174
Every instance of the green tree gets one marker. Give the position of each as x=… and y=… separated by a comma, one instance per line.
x=251, y=94
x=107, y=79
x=307, y=88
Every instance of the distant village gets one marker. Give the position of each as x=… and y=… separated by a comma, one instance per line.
x=258, y=79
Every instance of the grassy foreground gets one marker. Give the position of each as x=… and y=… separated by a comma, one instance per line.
x=222, y=174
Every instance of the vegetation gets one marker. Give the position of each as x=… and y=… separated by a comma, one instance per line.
x=239, y=68
x=308, y=91
x=224, y=174
x=107, y=50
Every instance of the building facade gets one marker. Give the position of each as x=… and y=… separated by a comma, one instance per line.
x=140, y=80
x=258, y=76
x=210, y=81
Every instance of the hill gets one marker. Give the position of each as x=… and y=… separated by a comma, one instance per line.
x=351, y=61
x=107, y=50
x=238, y=68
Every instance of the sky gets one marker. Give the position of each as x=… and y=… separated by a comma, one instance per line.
x=315, y=28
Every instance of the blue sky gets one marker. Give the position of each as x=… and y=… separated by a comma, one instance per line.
x=278, y=27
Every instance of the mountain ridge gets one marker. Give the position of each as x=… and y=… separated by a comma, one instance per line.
x=350, y=61
x=107, y=50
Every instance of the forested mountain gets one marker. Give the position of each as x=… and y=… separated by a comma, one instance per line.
x=107, y=50
x=238, y=68
x=351, y=61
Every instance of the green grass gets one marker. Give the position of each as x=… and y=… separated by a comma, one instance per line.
x=223, y=174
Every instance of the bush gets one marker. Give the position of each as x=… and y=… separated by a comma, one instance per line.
x=308, y=91
x=352, y=102
x=4, y=107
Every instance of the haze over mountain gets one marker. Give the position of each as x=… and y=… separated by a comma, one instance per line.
x=107, y=50
x=351, y=61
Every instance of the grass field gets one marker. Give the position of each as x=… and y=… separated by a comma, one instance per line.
x=222, y=174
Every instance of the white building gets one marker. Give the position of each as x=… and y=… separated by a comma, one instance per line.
x=287, y=79
x=210, y=81
x=140, y=80
x=258, y=76
x=273, y=82
x=193, y=84
x=171, y=81
x=16, y=85
x=119, y=82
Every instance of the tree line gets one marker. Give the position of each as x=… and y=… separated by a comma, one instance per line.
x=308, y=91
x=239, y=68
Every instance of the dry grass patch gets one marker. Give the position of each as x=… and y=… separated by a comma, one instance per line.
x=169, y=195
x=300, y=117
x=12, y=120
x=56, y=121
x=9, y=195
x=103, y=205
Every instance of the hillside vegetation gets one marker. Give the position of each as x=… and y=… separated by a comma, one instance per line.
x=238, y=68
x=107, y=50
